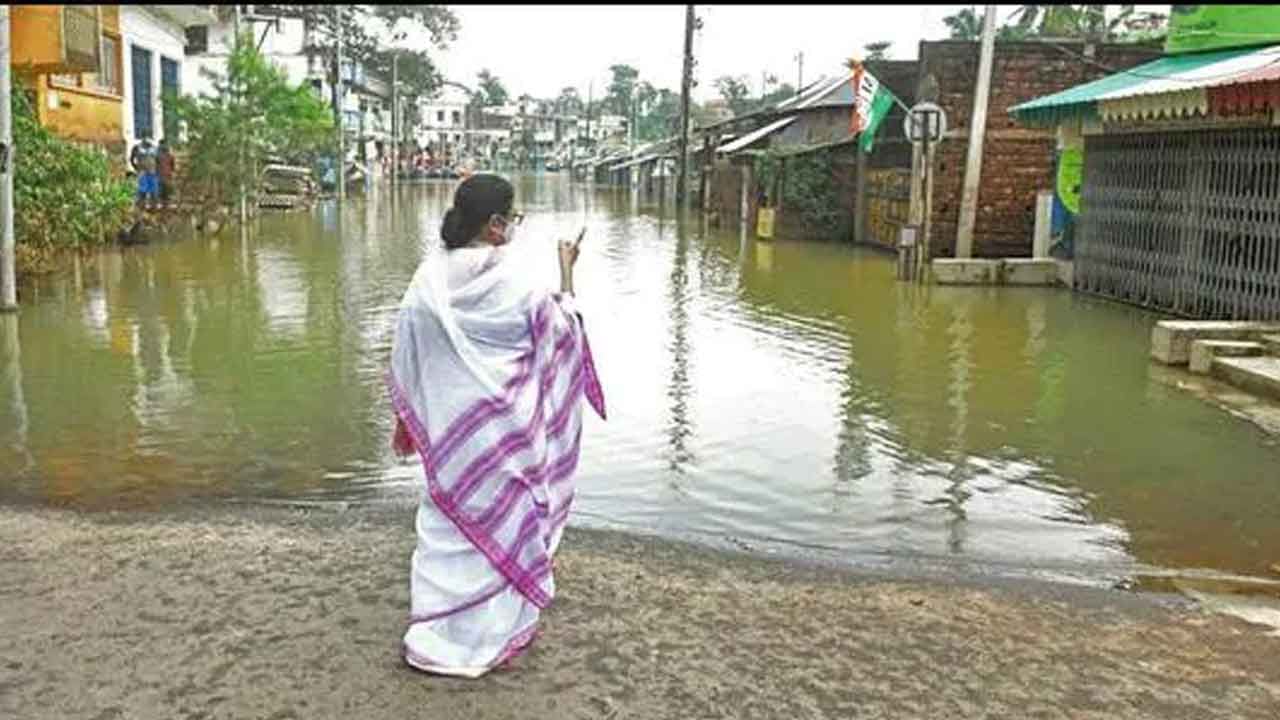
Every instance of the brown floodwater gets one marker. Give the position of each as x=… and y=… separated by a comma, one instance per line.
x=779, y=395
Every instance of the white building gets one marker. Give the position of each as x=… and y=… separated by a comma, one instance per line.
x=154, y=62
x=209, y=46
x=608, y=127
x=366, y=104
x=444, y=120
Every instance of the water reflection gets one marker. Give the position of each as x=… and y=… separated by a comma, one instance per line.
x=814, y=399
x=13, y=405
x=679, y=428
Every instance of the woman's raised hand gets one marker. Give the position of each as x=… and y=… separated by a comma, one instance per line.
x=568, y=250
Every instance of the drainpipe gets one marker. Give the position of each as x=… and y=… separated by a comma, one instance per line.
x=977, y=132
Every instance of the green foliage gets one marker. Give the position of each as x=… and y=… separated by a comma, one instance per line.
x=569, y=102
x=878, y=50
x=372, y=35
x=660, y=117
x=735, y=92
x=1089, y=22
x=810, y=194
x=255, y=117
x=621, y=87
x=65, y=196
x=491, y=91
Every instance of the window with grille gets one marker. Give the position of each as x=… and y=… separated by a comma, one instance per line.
x=108, y=78
x=80, y=33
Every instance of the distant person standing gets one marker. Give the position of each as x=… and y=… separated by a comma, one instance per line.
x=143, y=158
x=166, y=164
x=466, y=169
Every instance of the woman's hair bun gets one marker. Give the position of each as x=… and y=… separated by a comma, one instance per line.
x=477, y=199
x=451, y=229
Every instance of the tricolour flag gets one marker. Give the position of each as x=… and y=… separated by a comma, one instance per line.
x=871, y=103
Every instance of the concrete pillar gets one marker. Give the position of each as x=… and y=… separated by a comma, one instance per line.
x=860, y=199
x=744, y=199
x=977, y=133
x=1044, y=224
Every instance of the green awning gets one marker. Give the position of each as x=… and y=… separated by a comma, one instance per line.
x=1171, y=75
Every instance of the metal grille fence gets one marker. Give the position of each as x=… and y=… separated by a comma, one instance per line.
x=1184, y=222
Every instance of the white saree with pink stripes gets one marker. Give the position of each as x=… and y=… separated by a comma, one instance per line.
x=487, y=379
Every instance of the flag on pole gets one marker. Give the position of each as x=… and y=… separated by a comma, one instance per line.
x=871, y=103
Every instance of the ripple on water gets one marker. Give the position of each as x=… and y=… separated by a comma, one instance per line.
x=787, y=393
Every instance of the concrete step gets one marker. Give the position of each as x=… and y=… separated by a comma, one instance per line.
x=1171, y=339
x=1272, y=344
x=1204, y=351
x=1257, y=375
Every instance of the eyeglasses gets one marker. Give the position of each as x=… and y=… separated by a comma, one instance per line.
x=515, y=219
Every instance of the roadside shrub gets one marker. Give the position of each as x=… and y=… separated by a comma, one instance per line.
x=65, y=195
x=810, y=194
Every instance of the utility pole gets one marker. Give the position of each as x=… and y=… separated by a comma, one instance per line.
x=800, y=72
x=8, y=273
x=235, y=89
x=682, y=176
x=342, y=133
x=977, y=133
x=588, y=172
x=396, y=119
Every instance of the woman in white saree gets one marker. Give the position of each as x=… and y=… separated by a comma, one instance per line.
x=487, y=380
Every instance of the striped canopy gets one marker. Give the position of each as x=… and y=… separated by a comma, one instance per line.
x=1225, y=82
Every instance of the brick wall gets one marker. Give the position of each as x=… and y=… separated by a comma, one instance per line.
x=1016, y=161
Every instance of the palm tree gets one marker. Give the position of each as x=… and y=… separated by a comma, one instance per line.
x=1074, y=21
x=964, y=25
x=878, y=50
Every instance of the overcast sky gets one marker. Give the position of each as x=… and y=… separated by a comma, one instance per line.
x=541, y=49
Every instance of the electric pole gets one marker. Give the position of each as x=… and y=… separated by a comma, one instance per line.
x=685, y=86
x=235, y=89
x=977, y=132
x=590, y=171
x=8, y=273
x=395, y=118
x=800, y=72
x=342, y=133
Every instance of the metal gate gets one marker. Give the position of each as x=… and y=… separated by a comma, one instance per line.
x=1184, y=222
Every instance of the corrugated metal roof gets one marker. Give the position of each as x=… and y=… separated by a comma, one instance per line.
x=751, y=137
x=1170, y=86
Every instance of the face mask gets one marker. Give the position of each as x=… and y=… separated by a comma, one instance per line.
x=509, y=234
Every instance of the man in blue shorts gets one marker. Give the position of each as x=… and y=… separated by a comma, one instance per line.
x=143, y=158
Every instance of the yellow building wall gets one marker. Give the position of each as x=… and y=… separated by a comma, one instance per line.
x=86, y=114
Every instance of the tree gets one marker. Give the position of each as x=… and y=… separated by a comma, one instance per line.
x=660, y=116
x=878, y=50
x=735, y=92
x=964, y=25
x=569, y=103
x=366, y=30
x=618, y=98
x=778, y=94
x=491, y=90
x=254, y=117
x=1073, y=21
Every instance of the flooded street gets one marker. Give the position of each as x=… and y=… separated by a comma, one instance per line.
x=778, y=395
